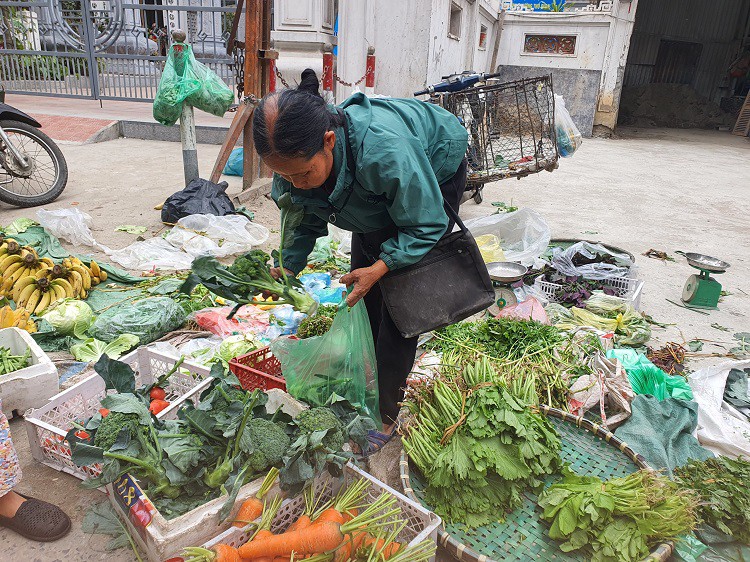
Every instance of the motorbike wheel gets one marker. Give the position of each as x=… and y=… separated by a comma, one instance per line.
x=49, y=175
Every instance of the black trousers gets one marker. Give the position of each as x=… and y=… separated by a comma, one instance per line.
x=395, y=354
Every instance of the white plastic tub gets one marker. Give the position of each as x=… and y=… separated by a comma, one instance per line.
x=29, y=387
x=624, y=287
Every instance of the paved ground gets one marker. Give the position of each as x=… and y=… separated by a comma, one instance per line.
x=663, y=189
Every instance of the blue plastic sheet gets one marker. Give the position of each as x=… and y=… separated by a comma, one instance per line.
x=234, y=163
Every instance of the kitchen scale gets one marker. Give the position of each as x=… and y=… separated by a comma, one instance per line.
x=702, y=290
x=503, y=275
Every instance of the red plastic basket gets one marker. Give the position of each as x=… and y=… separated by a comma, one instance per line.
x=258, y=369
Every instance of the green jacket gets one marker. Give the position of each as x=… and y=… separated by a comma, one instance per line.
x=403, y=150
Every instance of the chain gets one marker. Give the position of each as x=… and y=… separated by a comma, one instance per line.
x=350, y=84
x=239, y=68
x=280, y=77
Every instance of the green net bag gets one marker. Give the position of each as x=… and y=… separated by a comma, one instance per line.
x=178, y=81
x=342, y=361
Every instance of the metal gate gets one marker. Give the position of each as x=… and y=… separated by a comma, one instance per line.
x=106, y=49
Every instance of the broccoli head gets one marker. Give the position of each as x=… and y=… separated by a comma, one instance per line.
x=107, y=432
x=253, y=264
x=270, y=443
x=322, y=419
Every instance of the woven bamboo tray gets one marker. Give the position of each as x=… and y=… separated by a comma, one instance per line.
x=589, y=448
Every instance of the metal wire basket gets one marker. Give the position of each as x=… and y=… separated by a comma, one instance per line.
x=511, y=127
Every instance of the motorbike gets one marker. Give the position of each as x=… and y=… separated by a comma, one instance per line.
x=33, y=170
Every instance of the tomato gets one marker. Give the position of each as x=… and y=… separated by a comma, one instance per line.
x=157, y=393
x=103, y=412
x=81, y=434
x=157, y=406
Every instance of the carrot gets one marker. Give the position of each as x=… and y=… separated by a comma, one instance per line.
x=349, y=547
x=310, y=512
x=331, y=515
x=217, y=553
x=387, y=549
x=347, y=500
x=318, y=537
x=252, y=508
x=303, y=522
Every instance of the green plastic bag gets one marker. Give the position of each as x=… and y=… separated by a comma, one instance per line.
x=647, y=378
x=342, y=361
x=178, y=81
x=214, y=96
x=149, y=319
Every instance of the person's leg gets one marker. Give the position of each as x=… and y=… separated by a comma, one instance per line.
x=10, y=471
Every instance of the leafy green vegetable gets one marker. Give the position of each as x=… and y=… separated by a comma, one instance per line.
x=619, y=519
x=721, y=484
x=101, y=519
x=248, y=276
x=110, y=427
x=92, y=349
x=471, y=433
x=69, y=316
x=312, y=326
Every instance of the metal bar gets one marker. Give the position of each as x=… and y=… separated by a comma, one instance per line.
x=71, y=54
x=163, y=8
x=17, y=4
x=89, y=41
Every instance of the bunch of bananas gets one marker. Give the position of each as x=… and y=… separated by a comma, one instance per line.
x=17, y=262
x=71, y=268
x=18, y=318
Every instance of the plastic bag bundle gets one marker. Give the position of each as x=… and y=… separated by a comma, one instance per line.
x=214, y=96
x=523, y=234
x=606, y=392
x=209, y=235
x=562, y=261
x=200, y=197
x=569, y=138
x=178, y=81
x=149, y=319
x=342, y=361
x=606, y=313
x=647, y=378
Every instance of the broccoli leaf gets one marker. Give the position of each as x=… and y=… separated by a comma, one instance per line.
x=127, y=404
x=117, y=375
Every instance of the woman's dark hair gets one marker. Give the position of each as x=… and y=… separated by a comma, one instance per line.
x=302, y=117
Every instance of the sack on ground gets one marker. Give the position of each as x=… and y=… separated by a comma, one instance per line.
x=149, y=319
x=200, y=197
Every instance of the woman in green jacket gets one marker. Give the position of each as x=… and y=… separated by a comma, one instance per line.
x=380, y=168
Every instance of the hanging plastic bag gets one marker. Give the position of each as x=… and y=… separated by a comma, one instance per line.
x=178, y=81
x=234, y=165
x=568, y=136
x=149, y=319
x=342, y=361
x=213, y=96
x=524, y=234
x=209, y=235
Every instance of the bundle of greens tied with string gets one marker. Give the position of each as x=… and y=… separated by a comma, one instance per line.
x=250, y=274
x=520, y=349
x=478, y=445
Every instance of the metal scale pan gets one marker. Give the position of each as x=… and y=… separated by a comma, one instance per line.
x=503, y=273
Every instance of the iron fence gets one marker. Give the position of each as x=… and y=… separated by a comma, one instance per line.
x=106, y=49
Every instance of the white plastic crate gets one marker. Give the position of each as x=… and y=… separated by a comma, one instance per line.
x=31, y=386
x=625, y=288
x=421, y=524
x=161, y=538
x=48, y=424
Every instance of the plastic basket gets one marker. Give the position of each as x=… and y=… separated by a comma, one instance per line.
x=161, y=538
x=31, y=386
x=421, y=523
x=47, y=426
x=625, y=288
x=589, y=449
x=258, y=369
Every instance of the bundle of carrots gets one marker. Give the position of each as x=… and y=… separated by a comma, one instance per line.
x=350, y=527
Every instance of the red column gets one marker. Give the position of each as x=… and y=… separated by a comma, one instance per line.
x=370, y=71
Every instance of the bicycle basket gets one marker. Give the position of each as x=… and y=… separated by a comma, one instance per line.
x=511, y=128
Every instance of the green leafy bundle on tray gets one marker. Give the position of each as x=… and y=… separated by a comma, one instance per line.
x=620, y=519
x=723, y=487
x=477, y=444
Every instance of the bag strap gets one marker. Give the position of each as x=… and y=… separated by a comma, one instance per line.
x=350, y=166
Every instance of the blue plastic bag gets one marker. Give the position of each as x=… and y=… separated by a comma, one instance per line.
x=234, y=163
x=318, y=285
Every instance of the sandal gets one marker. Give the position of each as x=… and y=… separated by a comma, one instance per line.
x=376, y=440
x=38, y=520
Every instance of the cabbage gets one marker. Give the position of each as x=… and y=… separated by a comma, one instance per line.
x=234, y=346
x=92, y=350
x=69, y=316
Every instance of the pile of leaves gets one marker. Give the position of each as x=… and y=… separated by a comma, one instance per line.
x=213, y=448
x=477, y=444
x=575, y=291
x=721, y=485
x=318, y=323
x=619, y=520
x=522, y=349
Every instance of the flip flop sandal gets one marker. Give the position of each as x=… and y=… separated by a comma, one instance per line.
x=38, y=520
x=376, y=440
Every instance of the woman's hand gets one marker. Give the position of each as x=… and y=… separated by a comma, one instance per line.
x=276, y=272
x=363, y=279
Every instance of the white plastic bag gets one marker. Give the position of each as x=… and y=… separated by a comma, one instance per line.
x=721, y=428
x=154, y=253
x=209, y=235
x=568, y=136
x=524, y=234
x=70, y=225
x=608, y=387
x=562, y=261
x=343, y=237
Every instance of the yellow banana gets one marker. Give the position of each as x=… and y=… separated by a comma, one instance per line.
x=34, y=299
x=21, y=284
x=83, y=295
x=66, y=286
x=95, y=270
x=43, y=303
x=95, y=281
x=24, y=295
x=76, y=280
x=47, y=262
x=58, y=293
x=43, y=273
x=8, y=260
x=85, y=275
x=102, y=274
x=19, y=273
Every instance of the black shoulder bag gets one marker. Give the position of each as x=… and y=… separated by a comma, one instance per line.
x=449, y=284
